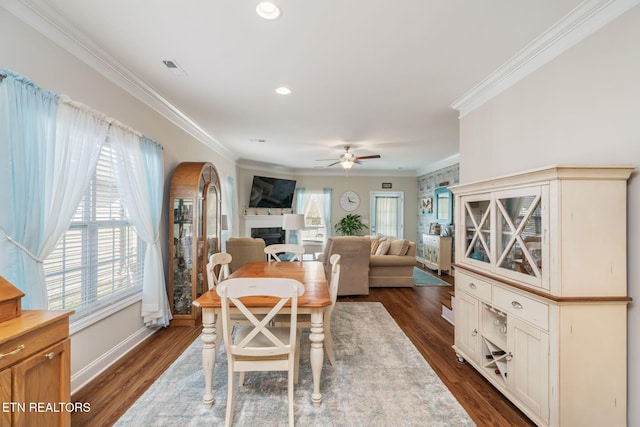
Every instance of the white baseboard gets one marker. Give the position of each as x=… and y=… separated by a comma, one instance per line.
x=91, y=371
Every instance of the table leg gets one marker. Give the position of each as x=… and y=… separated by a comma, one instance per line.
x=208, y=337
x=317, y=353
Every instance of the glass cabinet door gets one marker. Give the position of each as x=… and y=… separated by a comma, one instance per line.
x=213, y=202
x=183, y=255
x=519, y=232
x=477, y=231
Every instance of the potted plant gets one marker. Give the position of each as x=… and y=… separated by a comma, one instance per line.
x=350, y=225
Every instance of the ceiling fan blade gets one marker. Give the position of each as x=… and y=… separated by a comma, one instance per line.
x=333, y=164
x=374, y=156
x=327, y=160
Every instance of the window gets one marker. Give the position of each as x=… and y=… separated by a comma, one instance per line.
x=313, y=218
x=100, y=257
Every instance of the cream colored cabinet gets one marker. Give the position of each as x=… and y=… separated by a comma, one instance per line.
x=436, y=252
x=551, y=306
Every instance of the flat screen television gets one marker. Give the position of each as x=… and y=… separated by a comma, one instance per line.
x=271, y=192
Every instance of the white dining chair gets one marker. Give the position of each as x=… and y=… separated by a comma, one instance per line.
x=273, y=251
x=223, y=260
x=304, y=320
x=261, y=347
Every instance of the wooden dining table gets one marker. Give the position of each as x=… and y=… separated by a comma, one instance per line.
x=314, y=300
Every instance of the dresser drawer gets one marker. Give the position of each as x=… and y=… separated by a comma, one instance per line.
x=521, y=306
x=473, y=286
x=431, y=240
x=17, y=349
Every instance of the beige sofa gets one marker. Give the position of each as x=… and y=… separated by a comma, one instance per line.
x=360, y=269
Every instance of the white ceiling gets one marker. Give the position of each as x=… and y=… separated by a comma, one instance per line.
x=380, y=76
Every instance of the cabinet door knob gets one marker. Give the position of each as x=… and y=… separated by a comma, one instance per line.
x=50, y=355
x=516, y=304
x=474, y=333
x=472, y=285
x=16, y=351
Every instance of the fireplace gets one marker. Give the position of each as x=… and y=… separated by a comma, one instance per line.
x=270, y=235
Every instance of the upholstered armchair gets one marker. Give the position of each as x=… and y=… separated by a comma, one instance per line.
x=244, y=250
x=354, y=261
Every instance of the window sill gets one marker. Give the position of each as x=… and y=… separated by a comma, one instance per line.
x=85, y=319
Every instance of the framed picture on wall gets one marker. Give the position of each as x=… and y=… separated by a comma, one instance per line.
x=434, y=228
x=427, y=205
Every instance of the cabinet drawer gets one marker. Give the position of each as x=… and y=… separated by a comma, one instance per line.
x=432, y=240
x=473, y=286
x=21, y=347
x=521, y=306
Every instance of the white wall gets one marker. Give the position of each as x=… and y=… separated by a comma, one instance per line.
x=362, y=185
x=27, y=52
x=584, y=107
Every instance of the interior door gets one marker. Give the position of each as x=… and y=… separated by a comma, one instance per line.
x=387, y=213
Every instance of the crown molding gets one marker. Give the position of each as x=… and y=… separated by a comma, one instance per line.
x=440, y=164
x=584, y=20
x=42, y=18
x=247, y=164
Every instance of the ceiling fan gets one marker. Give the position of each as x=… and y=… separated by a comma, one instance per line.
x=348, y=159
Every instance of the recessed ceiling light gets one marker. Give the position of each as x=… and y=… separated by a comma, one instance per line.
x=267, y=10
x=283, y=90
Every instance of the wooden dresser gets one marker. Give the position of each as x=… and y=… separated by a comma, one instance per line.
x=35, y=379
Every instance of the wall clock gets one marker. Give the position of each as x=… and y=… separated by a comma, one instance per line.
x=349, y=201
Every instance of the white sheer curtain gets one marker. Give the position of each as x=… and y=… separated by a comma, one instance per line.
x=140, y=177
x=386, y=216
x=50, y=147
x=227, y=188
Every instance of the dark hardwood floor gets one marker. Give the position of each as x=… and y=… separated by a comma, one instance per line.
x=416, y=310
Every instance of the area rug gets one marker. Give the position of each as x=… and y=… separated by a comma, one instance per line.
x=422, y=278
x=380, y=379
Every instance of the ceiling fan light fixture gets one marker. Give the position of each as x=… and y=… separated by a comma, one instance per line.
x=267, y=10
x=347, y=164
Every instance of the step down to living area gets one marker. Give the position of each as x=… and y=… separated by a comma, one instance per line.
x=448, y=307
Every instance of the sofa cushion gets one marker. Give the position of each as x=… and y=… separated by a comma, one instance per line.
x=398, y=247
x=383, y=248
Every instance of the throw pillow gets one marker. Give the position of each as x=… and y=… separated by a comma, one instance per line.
x=374, y=245
x=399, y=247
x=383, y=248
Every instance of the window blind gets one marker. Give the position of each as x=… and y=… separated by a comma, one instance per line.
x=100, y=257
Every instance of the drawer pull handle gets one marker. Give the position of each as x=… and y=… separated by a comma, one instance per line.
x=16, y=351
x=472, y=285
x=50, y=355
x=516, y=304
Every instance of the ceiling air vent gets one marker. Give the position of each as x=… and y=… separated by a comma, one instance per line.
x=173, y=66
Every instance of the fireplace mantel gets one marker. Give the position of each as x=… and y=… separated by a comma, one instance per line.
x=259, y=221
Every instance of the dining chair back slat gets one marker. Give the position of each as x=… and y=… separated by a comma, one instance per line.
x=221, y=259
x=274, y=252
